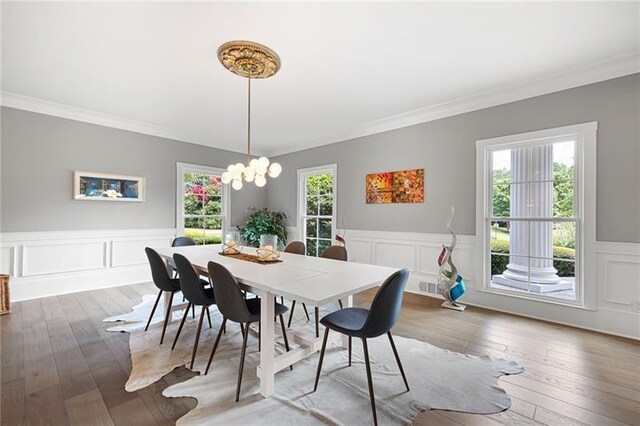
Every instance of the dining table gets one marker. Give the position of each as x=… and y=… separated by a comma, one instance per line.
x=311, y=280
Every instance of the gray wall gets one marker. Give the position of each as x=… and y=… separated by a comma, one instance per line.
x=41, y=152
x=446, y=150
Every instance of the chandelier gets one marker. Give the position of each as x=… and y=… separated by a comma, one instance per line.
x=249, y=60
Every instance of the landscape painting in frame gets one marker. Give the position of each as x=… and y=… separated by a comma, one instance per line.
x=403, y=186
x=107, y=187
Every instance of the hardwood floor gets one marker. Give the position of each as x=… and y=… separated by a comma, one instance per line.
x=60, y=366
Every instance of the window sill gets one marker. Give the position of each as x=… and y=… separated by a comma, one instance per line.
x=536, y=299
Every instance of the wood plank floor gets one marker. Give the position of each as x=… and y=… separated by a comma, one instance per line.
x=60, y=366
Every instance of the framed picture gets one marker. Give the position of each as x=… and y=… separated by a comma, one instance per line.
x=402, y=186
x=107, y=187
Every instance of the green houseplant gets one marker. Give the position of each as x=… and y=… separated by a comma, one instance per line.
x=263, y=221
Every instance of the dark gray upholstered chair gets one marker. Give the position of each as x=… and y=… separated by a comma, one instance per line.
x=296, y=247
x=234, y=307
x=196, y=294
x=369, y=323
x=164, y=282
x=182, y=242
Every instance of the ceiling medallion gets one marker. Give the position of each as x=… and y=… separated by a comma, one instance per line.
x=249, y=59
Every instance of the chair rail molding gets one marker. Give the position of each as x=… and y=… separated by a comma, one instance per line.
x=616, y=310
x=57, y=262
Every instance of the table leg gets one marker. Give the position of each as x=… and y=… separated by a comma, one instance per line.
x=345, y=339
x=267, y=355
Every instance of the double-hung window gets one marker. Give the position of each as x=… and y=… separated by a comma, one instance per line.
x=317, y=207
x=536, y=206
x=202, y=203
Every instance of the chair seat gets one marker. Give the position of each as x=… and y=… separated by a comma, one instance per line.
x=254, y=309
x=175, y=284
x=349, y=321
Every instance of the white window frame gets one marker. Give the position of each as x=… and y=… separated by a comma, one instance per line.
x=302, y=176
x=183, y=168
x=585, y=137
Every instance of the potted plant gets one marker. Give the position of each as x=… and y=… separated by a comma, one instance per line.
x=260, y=222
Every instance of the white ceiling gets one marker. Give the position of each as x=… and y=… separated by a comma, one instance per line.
x=347, y=69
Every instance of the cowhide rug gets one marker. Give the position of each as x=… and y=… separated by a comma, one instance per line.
x=439, y=379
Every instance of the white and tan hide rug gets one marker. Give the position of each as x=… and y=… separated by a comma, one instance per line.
x=439, y=379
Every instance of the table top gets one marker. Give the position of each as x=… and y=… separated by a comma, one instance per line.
x=312, y=280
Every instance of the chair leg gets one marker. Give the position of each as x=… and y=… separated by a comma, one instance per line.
x=282, y=300
x=293, y=306
x=195, y=345
x=193, y=311
x=349, y=351
x=215, y=345
x=370, y=381
x=184, y=317
x=241, y=329
x=395, y=352
x=208, y=316
x=317, y=312
x=324, y=346
x=244, y=351
x=284, y=334
x=340, y=303
x=153, y=311
x=166, y=319
x=305, y=311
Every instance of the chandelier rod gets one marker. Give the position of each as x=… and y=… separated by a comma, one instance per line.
x=249, y=121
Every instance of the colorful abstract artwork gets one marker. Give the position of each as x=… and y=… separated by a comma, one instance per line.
x=403, y=186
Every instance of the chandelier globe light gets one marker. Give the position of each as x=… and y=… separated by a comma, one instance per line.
x=249, y=60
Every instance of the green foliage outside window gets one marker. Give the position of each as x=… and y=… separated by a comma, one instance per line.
x=565, y=268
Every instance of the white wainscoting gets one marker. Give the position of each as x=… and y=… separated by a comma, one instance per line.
x=616, y=310
x=49, y=263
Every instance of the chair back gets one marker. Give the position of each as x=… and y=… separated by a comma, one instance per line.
x=183, y=241
x=295, y=247
x=190, y=284
x=159, y=270
x=229, y=298
x=335, y=252
x=386, y=305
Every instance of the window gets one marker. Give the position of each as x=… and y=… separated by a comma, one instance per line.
x=538, y=212
x=317, y=207
x=202, y=207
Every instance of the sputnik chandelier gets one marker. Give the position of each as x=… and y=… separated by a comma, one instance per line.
x=249, y=60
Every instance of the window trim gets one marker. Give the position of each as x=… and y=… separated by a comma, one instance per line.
x=181, y=169
x=585, y=137
x=302, y=175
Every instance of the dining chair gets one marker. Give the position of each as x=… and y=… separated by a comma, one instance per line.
x=163, y=282
x=183, y=242
x=335, y=253
x=234, y=307
x=369, y=323
x=196, y=294
x=296, y=247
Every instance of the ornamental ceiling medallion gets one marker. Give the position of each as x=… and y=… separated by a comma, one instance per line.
x=249, y=59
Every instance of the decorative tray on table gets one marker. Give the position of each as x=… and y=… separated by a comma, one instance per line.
x=250, y=258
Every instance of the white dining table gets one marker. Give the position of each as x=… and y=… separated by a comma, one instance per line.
x=310, y=280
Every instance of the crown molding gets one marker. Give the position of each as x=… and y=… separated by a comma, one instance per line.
x=625, y=64
x=621, y=65
x=27, y=103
